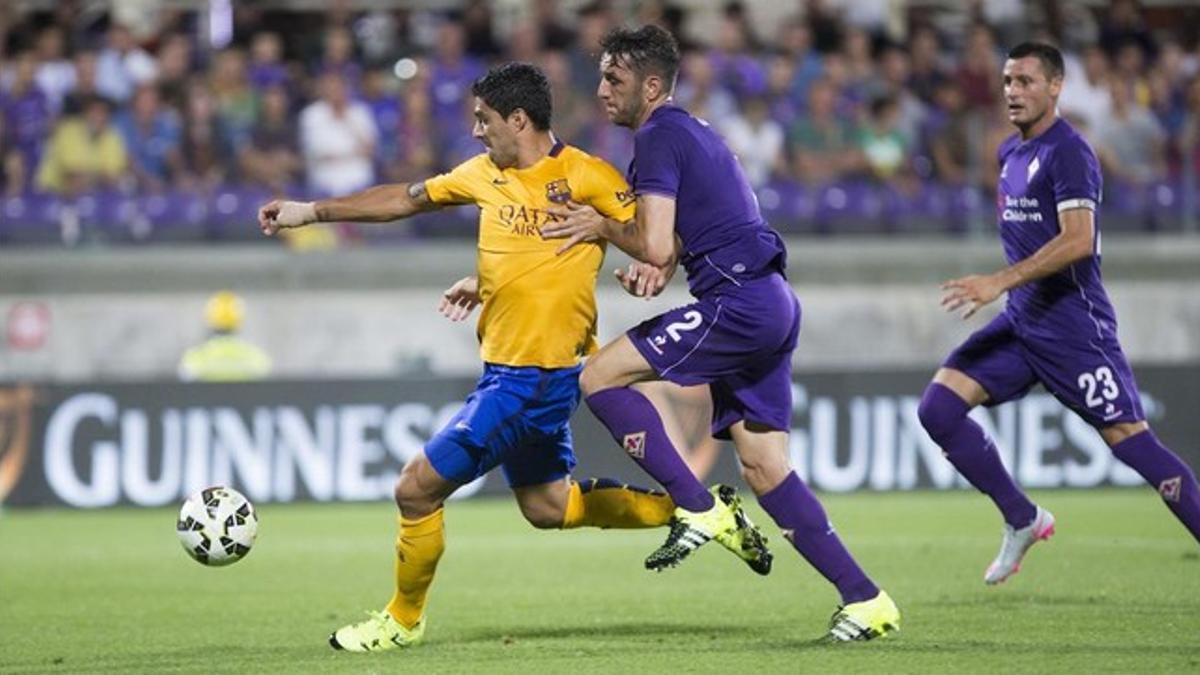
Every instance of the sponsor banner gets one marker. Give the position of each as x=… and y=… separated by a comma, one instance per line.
x=153, y=443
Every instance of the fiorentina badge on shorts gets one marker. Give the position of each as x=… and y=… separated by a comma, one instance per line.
x=1169, y=488
x=635, y=444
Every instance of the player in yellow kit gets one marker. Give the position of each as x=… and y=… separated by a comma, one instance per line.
x=538, y=319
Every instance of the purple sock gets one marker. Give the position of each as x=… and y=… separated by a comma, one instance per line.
x=1167, y=473
x=636, y=427
x=796, y=511
x=944, y=416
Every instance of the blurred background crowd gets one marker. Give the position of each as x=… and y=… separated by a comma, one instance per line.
x=138, y=120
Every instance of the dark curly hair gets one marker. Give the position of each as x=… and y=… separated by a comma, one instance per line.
x=517, y=85
x=648, y=50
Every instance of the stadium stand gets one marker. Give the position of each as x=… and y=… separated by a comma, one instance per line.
x=849, y=119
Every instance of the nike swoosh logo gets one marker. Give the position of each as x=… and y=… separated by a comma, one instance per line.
x=499, y=181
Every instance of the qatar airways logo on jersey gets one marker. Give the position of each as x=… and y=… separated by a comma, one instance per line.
x=525, y=221
x=1019, y=209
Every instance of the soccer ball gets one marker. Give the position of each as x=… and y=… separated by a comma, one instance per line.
x=217, y=526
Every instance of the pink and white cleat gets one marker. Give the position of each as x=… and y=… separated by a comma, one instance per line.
x=1015, y=544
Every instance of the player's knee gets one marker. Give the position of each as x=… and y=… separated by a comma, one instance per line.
x=752, y=476
x=404, y=491
x=764, y=471
x=592, y=380
x=938, y=419
x=411, y=498
x=1116, y=434
x=543, y=516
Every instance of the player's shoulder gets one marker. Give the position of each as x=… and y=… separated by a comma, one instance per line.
x=573, y=155
x=480, y=160
x=588, y=173
x=461, y=183
x=1066, y=141
x=1008, y=145
x=477, y=164
x=665, y=123
x=576, y=158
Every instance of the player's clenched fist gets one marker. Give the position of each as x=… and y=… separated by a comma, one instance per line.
x=279, y=214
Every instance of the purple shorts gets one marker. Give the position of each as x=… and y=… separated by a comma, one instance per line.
x=739, y=342
x=1088, y=374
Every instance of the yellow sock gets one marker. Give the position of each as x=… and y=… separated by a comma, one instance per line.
x=418, y=548
x=602, y=502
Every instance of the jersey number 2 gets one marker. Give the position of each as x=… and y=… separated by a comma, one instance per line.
x=691, y=321
x=1103, y=377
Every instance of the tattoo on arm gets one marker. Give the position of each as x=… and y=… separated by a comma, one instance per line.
x=417, y=193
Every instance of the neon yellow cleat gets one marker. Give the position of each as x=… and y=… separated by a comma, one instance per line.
x=746, y=541
x=864, y=620
x=378, y=633
x=690, y=531
x=725, y=522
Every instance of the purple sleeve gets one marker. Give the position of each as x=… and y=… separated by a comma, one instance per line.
x=1001, y=151
x=1076, y=176
x=655, y=164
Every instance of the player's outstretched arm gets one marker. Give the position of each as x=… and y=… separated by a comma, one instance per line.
x=379, y=204
x=1074, y=242
x=649, y=237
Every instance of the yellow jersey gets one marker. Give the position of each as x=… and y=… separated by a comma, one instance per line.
x=539, y=309
x=73, y=149
x=224, y=358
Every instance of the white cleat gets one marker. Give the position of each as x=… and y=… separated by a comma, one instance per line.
x=1015, y=544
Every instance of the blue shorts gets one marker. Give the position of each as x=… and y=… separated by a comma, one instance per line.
x=1089, y=374
x=517, y=418
x=739, y=342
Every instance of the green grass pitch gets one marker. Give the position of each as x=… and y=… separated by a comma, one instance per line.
x=1117, y=590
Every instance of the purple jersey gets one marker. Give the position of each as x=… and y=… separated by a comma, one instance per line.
x=1039, y=179
x=725, y=239
x=1059, y=330
x=27, y=121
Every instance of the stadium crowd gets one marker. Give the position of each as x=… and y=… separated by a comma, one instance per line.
x=844, y=118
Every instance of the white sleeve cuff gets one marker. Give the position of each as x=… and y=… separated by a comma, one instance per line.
x=1068, y=204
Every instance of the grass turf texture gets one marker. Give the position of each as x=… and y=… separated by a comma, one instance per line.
x=1118, y=589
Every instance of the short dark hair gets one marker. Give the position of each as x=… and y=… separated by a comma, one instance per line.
x=517, y=85
x=881, y=104
x=94, y=100
x=1051, y=58
x=646, y=50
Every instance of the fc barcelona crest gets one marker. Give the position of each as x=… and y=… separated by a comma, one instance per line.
x=558, y=192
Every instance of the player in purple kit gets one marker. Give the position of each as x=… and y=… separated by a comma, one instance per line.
x=1058, y=327
x=695, y=207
